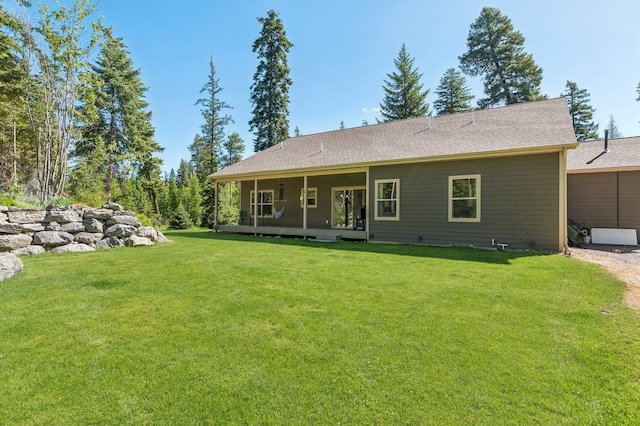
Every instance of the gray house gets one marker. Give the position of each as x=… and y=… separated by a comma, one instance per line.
x=604, y=184
x=494, y=176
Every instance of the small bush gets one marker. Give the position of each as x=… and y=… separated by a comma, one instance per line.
x=7, y=200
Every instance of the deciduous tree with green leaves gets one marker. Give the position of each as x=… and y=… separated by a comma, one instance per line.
x=271, y=82
x=495, y=51
x=581, y=112
x=453, y=94
x=56, y=53
x=404, y=96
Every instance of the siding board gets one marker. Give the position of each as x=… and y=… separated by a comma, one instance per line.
x=519, y=203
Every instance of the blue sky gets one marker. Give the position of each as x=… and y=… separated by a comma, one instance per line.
x=344, y=49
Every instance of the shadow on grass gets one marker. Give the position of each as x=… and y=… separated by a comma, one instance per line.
x=469, y=254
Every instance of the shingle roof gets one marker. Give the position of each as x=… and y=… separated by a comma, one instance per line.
x=623, y=153
x=537, y=125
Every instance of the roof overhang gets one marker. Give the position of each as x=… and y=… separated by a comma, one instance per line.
x=362, y=167
x=605, y=170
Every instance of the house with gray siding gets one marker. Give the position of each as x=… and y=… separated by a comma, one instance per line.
x=493, y=176
x=604, y=184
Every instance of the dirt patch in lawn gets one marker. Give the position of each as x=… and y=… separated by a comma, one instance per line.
x=621, y=261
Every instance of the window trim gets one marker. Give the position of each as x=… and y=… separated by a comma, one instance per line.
x=314, y=198
x=478, y=198
x=377, y=182
x=252, y=204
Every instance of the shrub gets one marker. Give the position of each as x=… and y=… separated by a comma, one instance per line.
x=181, y=219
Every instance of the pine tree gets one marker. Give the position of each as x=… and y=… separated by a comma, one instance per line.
x=297, y=132
x=232, y=150
x=496, y=52
x=342, y=125
x=122, y=131
x=581, y=112
x=271, y=81
x=206, y=149
x=453, y=94
x=403, y=93
x=614, y=132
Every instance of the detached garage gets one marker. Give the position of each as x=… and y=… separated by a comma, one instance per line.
x=603, y=184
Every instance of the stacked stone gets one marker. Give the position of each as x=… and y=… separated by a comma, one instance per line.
x=62, y=230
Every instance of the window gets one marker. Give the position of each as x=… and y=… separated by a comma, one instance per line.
x=265, y=203
x=464, y=198
x=387, y=199
x=312, y=197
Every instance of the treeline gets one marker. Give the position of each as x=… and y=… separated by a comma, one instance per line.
x=74, y=123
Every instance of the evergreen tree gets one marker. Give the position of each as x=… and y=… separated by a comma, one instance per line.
x=122, y=131
x=614, y=132
x=495, y=51
x=297, y=132
x=403, y=94
x=453, y=94
x=581, y=112
x=206, y=147
x=232, y=150
x=342, y=125
x=271, y=81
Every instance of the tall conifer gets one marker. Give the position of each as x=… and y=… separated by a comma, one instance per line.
x=453, y=94
x=581, y=112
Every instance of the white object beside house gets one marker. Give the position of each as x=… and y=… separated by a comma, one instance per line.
x=624, y=237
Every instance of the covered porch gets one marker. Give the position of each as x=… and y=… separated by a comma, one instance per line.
x=327, y=205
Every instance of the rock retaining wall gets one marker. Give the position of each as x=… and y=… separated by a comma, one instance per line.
x=72, y=229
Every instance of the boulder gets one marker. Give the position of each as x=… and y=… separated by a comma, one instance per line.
x=9, y=265
x=72, y=248
x=13, y=242
x=124, y=213
x=10, y=228
x=98, y=214
x=32, y=227
x=123, y=220
x=93, y=225
x=28, y=251
x=112, y=206
x=72, y=227
x=4, y=208
x=88, y=237
x=135, y=241
x=120, y=230
x=26, y=216
x=3, y=217
x=52, y=226
x=147, y=232
x=109, y=242
x=160, y=238
x=52, y=238
x=62, y=216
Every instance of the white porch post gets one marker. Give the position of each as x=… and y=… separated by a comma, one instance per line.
x=215, y=203
x=255, y=204
x=304, y=204
x=368, y=209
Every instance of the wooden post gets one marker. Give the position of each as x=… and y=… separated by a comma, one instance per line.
x=215, y=205
x=304, y=203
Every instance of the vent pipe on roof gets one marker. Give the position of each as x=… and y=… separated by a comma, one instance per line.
x=473, y=116
x=281, y=144
x=606, y=140
x=429, y=123
x=321, y=147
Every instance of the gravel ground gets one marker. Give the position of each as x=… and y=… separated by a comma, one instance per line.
x=621, y=261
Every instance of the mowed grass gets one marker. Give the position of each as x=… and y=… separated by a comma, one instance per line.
x=219, y=329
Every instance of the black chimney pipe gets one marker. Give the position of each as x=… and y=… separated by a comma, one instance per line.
x=606, y=140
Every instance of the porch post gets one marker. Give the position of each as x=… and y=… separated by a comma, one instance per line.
x=368, y=209
x=304, y=204
x=255, y=205
x=215, y=203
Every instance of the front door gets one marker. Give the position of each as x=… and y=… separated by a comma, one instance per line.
x=348, y=206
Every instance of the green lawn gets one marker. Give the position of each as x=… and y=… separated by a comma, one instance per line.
x=218, y=329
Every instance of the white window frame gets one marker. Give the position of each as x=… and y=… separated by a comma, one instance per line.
x=308, y=197
x=396, y=183
x=261, y=204
x=477, y=198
